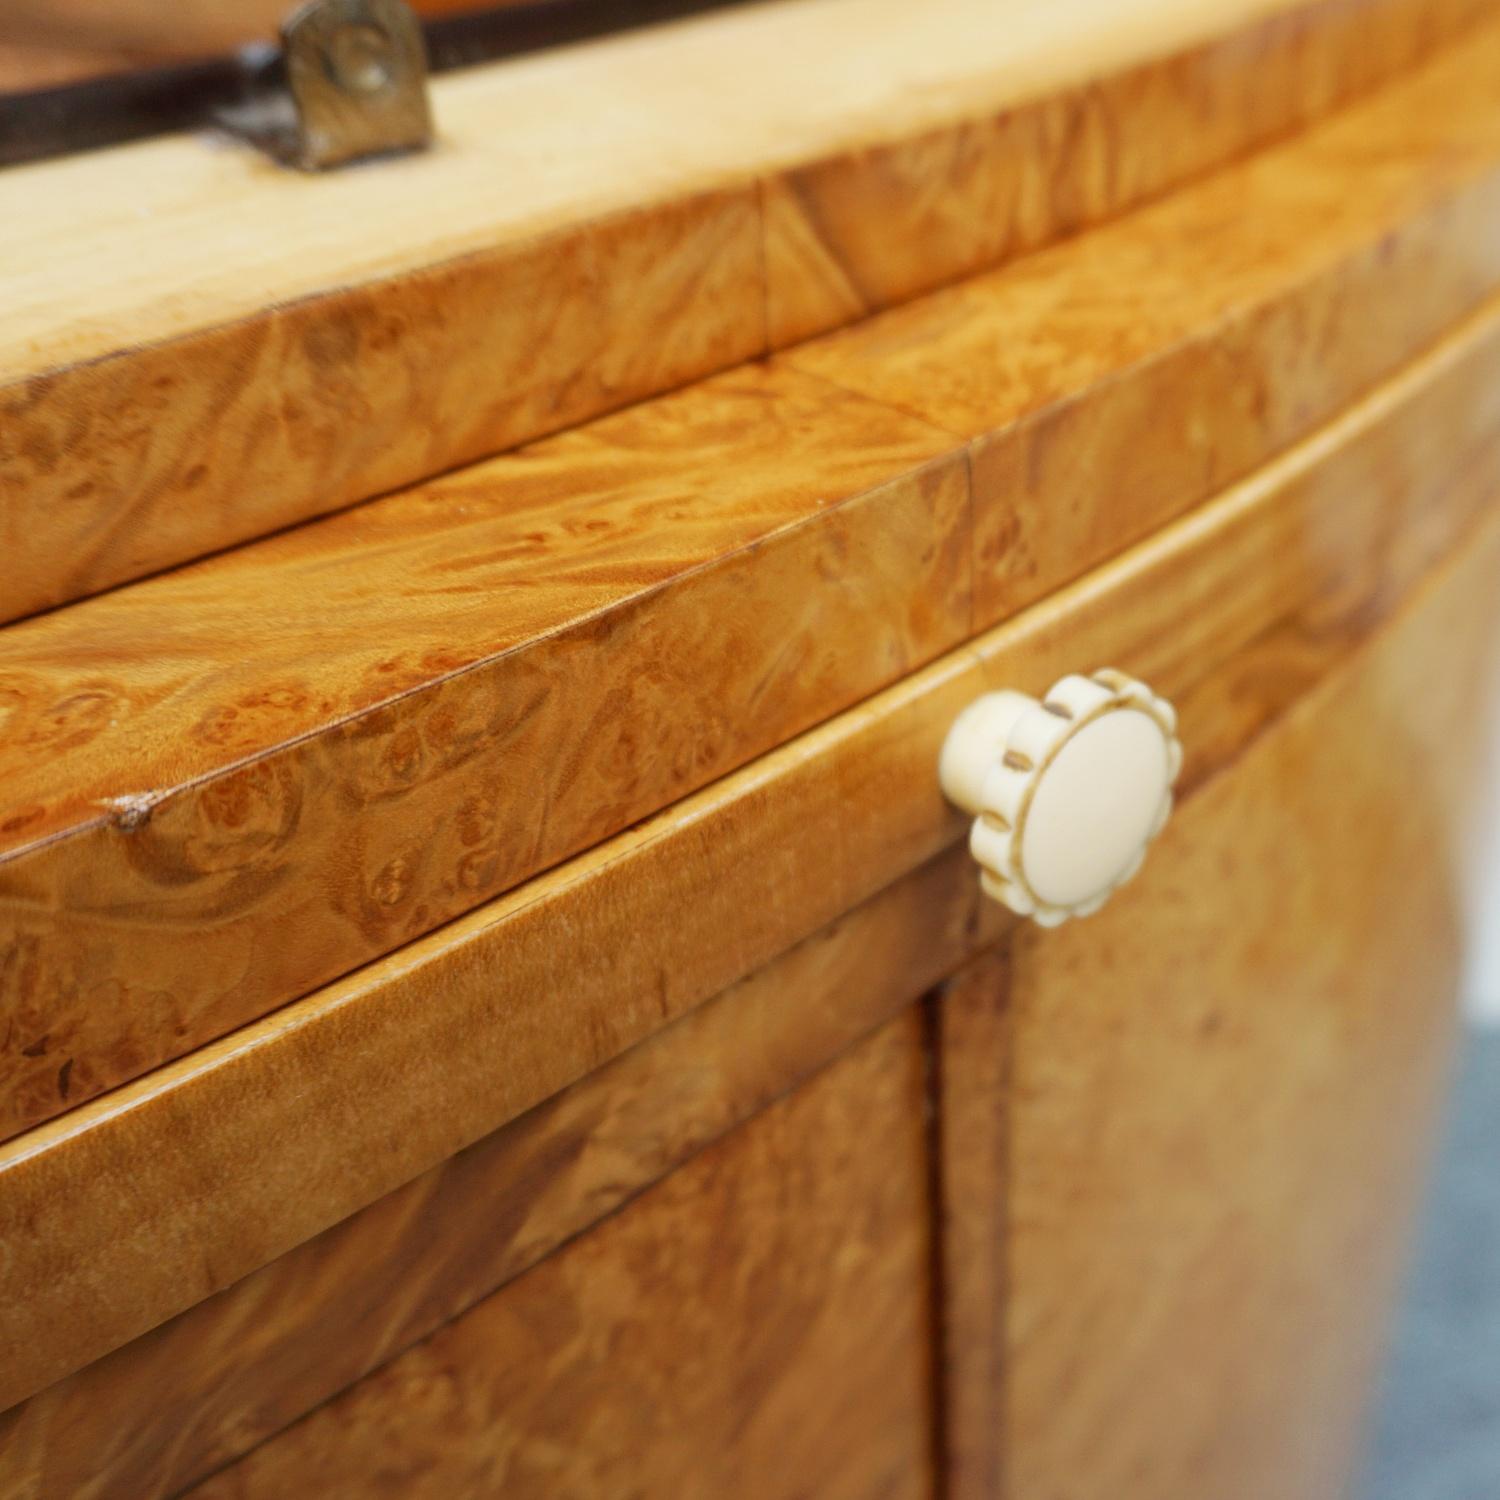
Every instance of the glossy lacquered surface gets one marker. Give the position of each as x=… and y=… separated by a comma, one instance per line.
x=1402, y=481
x=450, y=688
x=493, y=999
x=1231, y=1084
x=1172, y=1240
x=1267, y=1091
x=757, y=1325
x=200, y=348
x=213, y=1383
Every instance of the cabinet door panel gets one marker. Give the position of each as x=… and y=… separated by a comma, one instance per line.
x=1219, y=1095
x=756, y=1326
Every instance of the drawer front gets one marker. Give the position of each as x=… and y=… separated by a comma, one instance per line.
x=755, y=1326
x=1173, y=1242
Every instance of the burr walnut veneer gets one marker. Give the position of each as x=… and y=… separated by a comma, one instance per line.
x=493, y=1000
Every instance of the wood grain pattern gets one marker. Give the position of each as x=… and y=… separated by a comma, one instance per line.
x=592, y=548
x=221, y=1377
x=754, y=1327
x=1222, y=1090
x=449, y=691
x=200, y=1391
x=1115, y=381
x=121, y=466
x=381, y=1076
x=968, y=1021
x=986, y=189
x=200, y=348
x=971, y=1080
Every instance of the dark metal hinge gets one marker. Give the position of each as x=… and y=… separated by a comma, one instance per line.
x=349, y=82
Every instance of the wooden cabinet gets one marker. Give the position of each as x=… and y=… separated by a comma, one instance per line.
x=1197, y=1120
x=834, y=1181
x=758, y=1324
x=493, y=999
x=1115, y=1210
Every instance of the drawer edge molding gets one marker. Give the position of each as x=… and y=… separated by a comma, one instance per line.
x=360, y=777
x=104, y=1214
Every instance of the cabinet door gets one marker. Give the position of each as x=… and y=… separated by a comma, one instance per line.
x=1171, y=1249
x=756, y=1325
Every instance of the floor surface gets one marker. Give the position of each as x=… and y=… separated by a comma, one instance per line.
x=1436, y=1431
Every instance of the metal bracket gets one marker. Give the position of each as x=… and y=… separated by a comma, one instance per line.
x=348, y=81
x=355, y=85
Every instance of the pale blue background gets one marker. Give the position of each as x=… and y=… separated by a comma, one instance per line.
x=1436, y=1429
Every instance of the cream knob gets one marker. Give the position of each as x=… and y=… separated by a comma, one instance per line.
x=1066, y=792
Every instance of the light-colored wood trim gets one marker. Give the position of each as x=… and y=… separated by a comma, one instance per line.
x=200, y=347
x=197, y=1393
x=381, y=1076
x=1113, y=382
x=157, y=776
x=648, y=90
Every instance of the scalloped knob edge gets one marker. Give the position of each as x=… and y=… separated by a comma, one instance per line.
x=1067, y=791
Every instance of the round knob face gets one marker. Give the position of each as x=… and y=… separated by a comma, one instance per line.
x=1093, y=807
x=1069, y=791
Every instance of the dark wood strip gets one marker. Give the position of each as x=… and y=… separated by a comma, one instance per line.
x=968, y=1026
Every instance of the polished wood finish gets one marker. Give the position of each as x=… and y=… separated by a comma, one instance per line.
x=203, y=348
x=180, y=1402
x=118, y=465
x=157, y=771
x=755, y=1327
x=998, y=184
x=225, y=1375
x=1221, y=1091
x=651, y=1170
x=732, y=505
x=378, y=1078
x=452, y=693
x=1117, y=380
